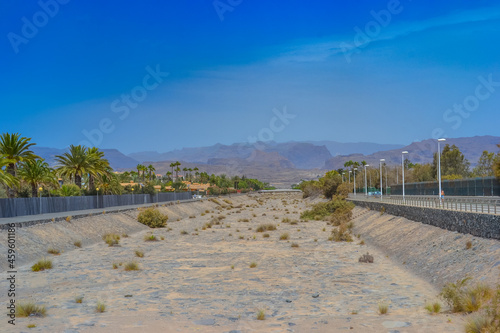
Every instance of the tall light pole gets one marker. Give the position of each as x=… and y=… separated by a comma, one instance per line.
x=366, y=187
x=403, y=173
x=381, y=179
x=343, y=173
x=354, y=173
x=439, y=168
x=97, y=189
x=350, y=176
x=40, y=189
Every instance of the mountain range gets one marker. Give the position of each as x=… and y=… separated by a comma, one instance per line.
x=285, y=163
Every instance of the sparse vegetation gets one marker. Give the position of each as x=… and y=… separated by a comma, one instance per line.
x=295, y=244
x=383, y=308
x=111, y=239
x=150, y=238
x=42, y=265
x=253, y=264
x=77, y=244
x=139, y=253
x=461, y=297
x=54, y=251
x=27, y=309
x=266, y=235
x=68, y=218
x=261, y=315
x=184, y=232
x=284, y=236
x=153, y=218
x=131, y=266
x=433, y=308
x=468, y=245
x=100, y=307
x=265, y=227
x=79, y=299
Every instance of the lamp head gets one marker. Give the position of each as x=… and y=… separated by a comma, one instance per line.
x=382, y=160
x=405, y=152
x=442, y=139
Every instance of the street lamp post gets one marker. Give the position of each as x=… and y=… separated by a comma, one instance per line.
x=40, y=195
x=343, y=173
x=354, y=173
x=350, y=171
x=97, y=189
x=366, y=187
x=133, y=201
x=403, y=172
x=439, y=168
x=381, y=180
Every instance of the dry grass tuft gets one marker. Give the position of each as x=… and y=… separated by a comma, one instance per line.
x=100, y=307
x=131, y=266
x=28, y=309
x=42, y=265
x=261, y=315
x=383, y=308
x=54, y=251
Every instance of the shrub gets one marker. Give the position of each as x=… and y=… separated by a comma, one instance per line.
x=324, y=209
x=382, y=211
x=462, y=298
x=266, y=235
x=253, y=264
x=68, y=218
x=77, y=244
x=79, y=299
x=284, y=236
x=264, y=227
x=367, y=258
x=184, y=232
x=341, y=234
x=261, y=315
x=131, y=266
x=27, y=309
x=295, y=244
x=153, y=218
x=468, y=245
x=42, y=265
x=285, y=220
x=139, y=254
x=111, y=239
x=433, y=308
x=383, y=308
x=150, y=238
x=100, y=307
x=54, y=251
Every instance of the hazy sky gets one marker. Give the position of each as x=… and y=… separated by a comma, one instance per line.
x=238, y=70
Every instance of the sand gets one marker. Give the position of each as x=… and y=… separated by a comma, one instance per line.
x=186, y=282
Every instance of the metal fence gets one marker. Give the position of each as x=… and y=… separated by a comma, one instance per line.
x=458, y=203
x=33, y=206
x=485, y=186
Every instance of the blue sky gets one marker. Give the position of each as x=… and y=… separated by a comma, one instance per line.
x=348, y=71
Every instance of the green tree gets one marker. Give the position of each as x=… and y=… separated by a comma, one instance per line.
x=421, y=173
x=15, y=149
x=485, y=165
x=329, y=183
x=496, y=165
x=74, y=164
x=6, y=178
x=36, y=173
x=453, y=162
x=98, y=166
x=151, y=169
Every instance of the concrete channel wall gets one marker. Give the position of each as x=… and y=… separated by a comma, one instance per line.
x=477, y=224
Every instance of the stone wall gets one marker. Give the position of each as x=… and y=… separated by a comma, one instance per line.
x=477, y=224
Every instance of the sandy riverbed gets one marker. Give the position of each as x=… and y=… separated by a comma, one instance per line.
x=186, y=282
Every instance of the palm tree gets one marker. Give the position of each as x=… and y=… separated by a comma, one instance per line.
x=169, y=175
x=16, y=149
x=74, y=164
x=98, y=166
x=5, y=177
x=151, y=168
x=140, y=168
x=37, y=173
x=172, y=165
x=177, y=173
x=185, y=172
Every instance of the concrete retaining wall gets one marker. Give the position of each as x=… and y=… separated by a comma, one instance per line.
x=477, y=224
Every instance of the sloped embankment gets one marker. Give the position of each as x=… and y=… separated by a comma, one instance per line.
x=435, y=254
x=32, y=242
